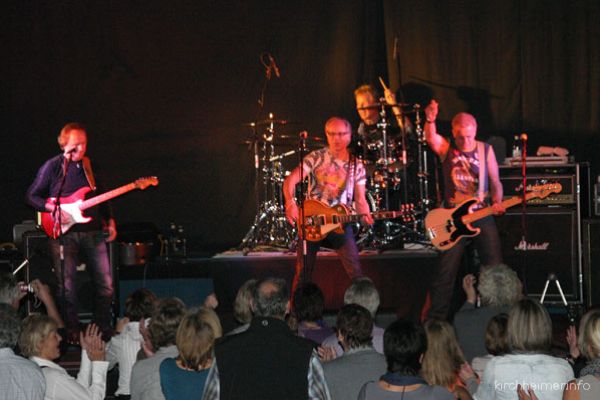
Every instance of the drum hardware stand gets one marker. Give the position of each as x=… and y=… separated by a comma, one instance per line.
x=383, y=124
x=423, y=172
x=270, y=227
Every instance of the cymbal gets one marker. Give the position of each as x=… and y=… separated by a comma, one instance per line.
x=378, y=106
x=267, y=121
x=297, y=138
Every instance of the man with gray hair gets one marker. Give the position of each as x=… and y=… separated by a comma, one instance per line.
x=362, y=291
x=499, y=289
x=20, y=378
x=267, y=361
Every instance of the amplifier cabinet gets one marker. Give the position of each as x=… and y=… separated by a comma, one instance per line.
x=551, y=244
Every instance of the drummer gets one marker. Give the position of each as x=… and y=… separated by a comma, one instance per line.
x=369, y=140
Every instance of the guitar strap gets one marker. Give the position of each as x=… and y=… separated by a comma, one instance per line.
x=350, y=181
x=87, y=168
x=482, y=170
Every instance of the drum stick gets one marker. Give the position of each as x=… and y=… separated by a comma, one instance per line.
x=383, y=84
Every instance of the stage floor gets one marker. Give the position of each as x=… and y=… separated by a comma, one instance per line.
x=401, y=276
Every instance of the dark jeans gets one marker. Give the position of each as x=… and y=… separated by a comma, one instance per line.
x=487, y=244
x=343, y=244
x=94, y=248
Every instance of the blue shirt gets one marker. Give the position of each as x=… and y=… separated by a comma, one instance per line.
x=178, y=383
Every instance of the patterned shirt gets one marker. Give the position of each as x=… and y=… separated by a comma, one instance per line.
x=331, y=180
x=317, y=385
x=461, y=175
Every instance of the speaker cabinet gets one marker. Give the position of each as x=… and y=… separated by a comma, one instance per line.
x=591, y=261
x=551, y=245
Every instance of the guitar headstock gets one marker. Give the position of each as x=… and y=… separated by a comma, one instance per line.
x=143, y=183
x=543, y=191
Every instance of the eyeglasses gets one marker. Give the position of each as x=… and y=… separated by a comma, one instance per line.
x=338, y=134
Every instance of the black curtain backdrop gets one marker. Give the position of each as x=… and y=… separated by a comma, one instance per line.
x=164, y=87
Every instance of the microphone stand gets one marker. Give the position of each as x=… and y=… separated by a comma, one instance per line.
x=57, y=217
x=524, y=210
x=303, y=190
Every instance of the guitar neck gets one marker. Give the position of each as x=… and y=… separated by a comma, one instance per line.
x=94, y=201
x=484, y=212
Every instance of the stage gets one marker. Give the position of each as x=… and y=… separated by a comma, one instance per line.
x=401, y=276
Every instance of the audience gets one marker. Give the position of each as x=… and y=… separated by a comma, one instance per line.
x=267, y=361
x=404, y=346
x=529, y=364
x=309, y=303
x=162, y=330
x=495, y=342
x=39, y=340
x=123, y=348
x=19, y=377
x=499, y=288
x=185, y=376
x=362, y=291
x=587, y=387
x=242, y=307
x=443, y=359
x=360, y=363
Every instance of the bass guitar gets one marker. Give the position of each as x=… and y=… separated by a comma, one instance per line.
x=73, y=206
x=446, y=226
x=321, y=219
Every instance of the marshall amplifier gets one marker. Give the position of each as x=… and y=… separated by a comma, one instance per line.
x=566, y=175
x=551, y=245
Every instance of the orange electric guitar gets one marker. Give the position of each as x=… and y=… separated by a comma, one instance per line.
x=74, y=205
x=446, y=226
x=320, y=219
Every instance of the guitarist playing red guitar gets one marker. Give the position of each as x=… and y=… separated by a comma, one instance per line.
x=469, y=170
x=87, y=238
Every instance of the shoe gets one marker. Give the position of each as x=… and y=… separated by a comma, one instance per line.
x=73, y=337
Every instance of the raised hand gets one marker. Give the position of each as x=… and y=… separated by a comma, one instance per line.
x=468, y=285
x=92, y=343
x=572, y=341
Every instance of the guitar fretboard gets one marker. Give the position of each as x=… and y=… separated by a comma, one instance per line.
x=484, y=212
x=340, y=218
x=107, y=196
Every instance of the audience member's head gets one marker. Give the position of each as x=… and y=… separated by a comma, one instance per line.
x=495, y=335
x=499, y=286
x=242, y=307
x=355, y=326
x=39, y=337
x=10, y=325
x=165, y=321
x=270, y=298
x=362, y=291
x=443, y=357
x=9, y=289
x=529, y=327
x=589, y=334
x=140, y=304
x=195, y=337
x=309, y=302
x=404, y=343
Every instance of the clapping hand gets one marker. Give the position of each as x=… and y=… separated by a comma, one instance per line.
x=91, y=341
x=530, y=395
x=468, y=285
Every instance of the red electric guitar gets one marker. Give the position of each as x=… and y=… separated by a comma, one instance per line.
x=74, y=205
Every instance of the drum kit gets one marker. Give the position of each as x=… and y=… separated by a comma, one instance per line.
x=397, y=177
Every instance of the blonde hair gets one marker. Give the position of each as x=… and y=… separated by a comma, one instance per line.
x=366, y=89
x=63, y=136
x=529, y=327
x=443, y=357
x=589, y=334
x=242, y=306
x=195, y=337
x=34, y=331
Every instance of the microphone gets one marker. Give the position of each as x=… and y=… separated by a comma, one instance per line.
x=274, y=65
x=70, y=152
x=523, y=137
x=303, y=135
